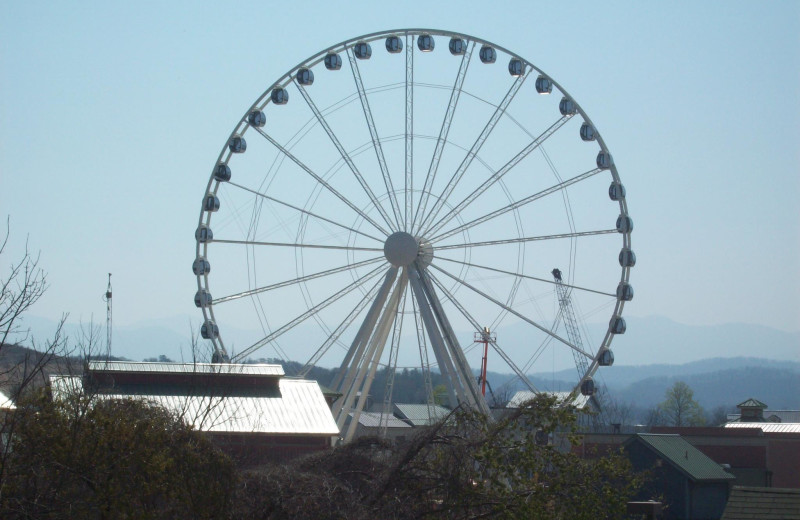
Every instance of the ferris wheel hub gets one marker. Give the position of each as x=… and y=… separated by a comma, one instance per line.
x=401, y=249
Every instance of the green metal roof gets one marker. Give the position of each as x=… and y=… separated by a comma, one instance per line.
x=758, y=503
x=685, y=457
x=752, y=403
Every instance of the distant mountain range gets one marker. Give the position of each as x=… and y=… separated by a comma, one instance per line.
x=719, y=362
x=715, y=382
x=651, y=340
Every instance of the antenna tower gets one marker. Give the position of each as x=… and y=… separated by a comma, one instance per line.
x=107, y=298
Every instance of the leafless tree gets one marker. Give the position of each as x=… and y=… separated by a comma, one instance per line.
x=612, y=410
x=22, y=369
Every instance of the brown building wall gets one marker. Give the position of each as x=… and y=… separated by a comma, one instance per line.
x=784, y=460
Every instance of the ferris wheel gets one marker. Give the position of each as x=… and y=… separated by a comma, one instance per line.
x=397, y=193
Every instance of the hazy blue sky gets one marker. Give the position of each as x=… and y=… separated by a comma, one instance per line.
x=112, y=115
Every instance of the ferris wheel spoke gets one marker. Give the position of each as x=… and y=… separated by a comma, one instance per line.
x=409, y=137
x=473, y=152
x=443, y=133
x=303, y=211
x=337, y=333
x=512, y=311
x=478, y=328
x=345, y=156
x=525, y=276
x=304, y=316
x=536, y=143
x=518, y=204
x=373, y=132
x=294, y=281
x=528, y=239
x=320, y=180
x=289, y=244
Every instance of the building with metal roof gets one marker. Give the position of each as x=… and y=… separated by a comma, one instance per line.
x=420, y=414
x=579, y=401
x=762, y=503
x=376, y=424
x=692, y=484
x=251, y=411
x=7, y=408
x=6, y=403
x=754, y=411
x=768, y=427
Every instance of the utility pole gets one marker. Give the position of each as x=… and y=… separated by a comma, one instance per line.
x=485, y=336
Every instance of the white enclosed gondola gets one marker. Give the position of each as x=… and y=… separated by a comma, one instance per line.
x=203, y=233
x=606, y=358
x=617, y=325
x=222, y=172
x=457, y=46
x=616, y=191
x=362, y=50
x=544, y=85
x=516, y=67
x=305, y=77
x=237, y=144
x=624, y=224
x=425, y=43
x=257, y=118
x=488, y=54
x=567, y=107
x=201, y=266
x=604, y=160
x=627, y=258
x=333, y=61
x=209, y=330
x=625, y=291
x=211, y=203
x=587, y=132
x=202, y=298
x=394, y=44
x=280, y=96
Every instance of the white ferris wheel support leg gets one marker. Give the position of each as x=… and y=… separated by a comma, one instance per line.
x=366, y=373
x=445, y=343
x=356, y=349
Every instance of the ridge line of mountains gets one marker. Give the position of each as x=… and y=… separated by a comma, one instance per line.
x=717, y=362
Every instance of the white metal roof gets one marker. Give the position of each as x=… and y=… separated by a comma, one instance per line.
x=6, y=403
x=373, y=420
x=580, y=401
x=767, y=427
x=188, y=368
x=418, y=414
x=299, y=409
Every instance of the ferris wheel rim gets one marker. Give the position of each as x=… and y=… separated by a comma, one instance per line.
x=262, y=101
